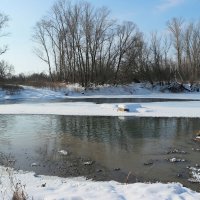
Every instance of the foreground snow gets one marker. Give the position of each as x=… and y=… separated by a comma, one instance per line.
x=44, y=187
x=153, y=109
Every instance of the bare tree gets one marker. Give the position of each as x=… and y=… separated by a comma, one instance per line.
x=192, y=50
x=3, y=22
x=6, y=70
x=156, y=55
x=75, y=41
x=81, y=43
x=124, y=38
x=175, y=26
x=40, y=37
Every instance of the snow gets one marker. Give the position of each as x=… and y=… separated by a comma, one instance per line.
x=34, y=165
x=195, y=173
x=30, y=93
x=140, y=90
x=50, y=188
x=63, y=152
x=152, y=109
x=129, y=107
x=156, y=109
x=173, y=160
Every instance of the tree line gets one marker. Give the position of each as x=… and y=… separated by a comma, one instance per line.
x=83, y=44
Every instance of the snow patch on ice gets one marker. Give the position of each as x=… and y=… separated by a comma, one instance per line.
x=63, y=152
x=129, y=107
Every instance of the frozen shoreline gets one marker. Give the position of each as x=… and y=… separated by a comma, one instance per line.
x=141, y=90
x=46, y=187
x=186, y=108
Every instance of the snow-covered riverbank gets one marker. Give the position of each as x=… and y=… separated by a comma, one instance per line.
x=44, y=187
x=184, y=108
x=141, y=90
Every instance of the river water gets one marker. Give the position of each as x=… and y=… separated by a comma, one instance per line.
x=142, y=146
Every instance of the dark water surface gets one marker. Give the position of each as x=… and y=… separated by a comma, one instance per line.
x=134, y=99
x=123, y=144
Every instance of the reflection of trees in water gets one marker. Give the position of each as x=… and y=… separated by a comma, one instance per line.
x=35, y=134
x=97, y=129
x=187, y=126
x=123, y=133
x=6, y=123
x=49, y=137
x=109, y=130
x=162, y=127
x=48, y=133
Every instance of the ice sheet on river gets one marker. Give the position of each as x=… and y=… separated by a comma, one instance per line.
x=154, y=109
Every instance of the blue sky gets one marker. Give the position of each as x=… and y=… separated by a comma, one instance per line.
x=149, y=15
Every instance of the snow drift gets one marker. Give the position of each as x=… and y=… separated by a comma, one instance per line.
x=45, y=187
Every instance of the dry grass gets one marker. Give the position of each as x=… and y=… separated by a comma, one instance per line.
x=15, y=188
x=19, y=192
x=56, y=86
x=11, y=88
x=45, y=84
x=127, y=178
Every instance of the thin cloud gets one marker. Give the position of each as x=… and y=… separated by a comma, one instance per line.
x=167, y=4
